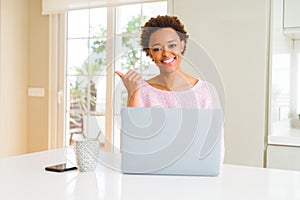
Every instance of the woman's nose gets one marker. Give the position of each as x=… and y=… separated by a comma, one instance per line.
x=165, y=52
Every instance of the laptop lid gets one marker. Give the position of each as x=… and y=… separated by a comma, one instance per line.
x=171, y=141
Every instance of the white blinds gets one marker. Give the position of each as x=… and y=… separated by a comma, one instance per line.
x=60, y=6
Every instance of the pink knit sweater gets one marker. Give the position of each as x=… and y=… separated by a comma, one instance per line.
x=201, y=95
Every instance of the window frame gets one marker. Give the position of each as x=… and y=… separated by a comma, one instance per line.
x=57, y=86
x=281, y=131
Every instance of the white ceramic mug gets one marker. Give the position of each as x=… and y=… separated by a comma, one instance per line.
x=87, y=152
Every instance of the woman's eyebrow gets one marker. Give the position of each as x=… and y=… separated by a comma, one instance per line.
x=158, y=44
x=171, y=41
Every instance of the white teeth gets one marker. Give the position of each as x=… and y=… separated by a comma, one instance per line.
x=168, y=61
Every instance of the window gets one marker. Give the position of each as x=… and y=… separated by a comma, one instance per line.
x=100, y=41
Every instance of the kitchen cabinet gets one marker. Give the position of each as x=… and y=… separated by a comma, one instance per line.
x=283, y=157
x=291, y=18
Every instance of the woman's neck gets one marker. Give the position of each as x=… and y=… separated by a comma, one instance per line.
x=176, y=81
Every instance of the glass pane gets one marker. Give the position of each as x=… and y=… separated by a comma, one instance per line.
x=97, y=57
x=98, y=22
x=78, y=24
x=75, y=107
x=131, y=52
x=100, y=84
x=280, y=87
x=154, y=9
x=77, y=56
x=117, y=132
x=74, y=126
x=78, y=88
x=128, y=52
x=86, y=104
x=128, y=18
x=148, y=66
x=94, y=120
x=92, y=124
x=119, y=96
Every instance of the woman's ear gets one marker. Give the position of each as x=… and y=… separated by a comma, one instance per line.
x=148, y=52
x=182, y=46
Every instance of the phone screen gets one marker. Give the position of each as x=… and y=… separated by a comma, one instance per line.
x=61, y=167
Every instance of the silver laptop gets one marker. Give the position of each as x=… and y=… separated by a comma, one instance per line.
x=171, y=141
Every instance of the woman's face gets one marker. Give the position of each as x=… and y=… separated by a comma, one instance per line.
x=165, y=49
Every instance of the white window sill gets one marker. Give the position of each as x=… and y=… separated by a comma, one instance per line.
x=285, y=132
x=289, y=137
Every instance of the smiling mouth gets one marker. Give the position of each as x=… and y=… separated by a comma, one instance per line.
x=168, y=61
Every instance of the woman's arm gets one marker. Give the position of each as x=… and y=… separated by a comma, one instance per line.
x=134, y=99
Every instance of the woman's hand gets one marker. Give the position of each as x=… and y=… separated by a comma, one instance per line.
x=132, y=81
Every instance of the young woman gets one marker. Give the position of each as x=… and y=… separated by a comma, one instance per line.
x=164, y=39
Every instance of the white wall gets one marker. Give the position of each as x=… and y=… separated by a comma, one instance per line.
x=23, y=63
x=13, y=77
x=38, y=76
x=235, y=35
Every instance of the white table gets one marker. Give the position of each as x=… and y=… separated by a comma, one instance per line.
x=24, y=177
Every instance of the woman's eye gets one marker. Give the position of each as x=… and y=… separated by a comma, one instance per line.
x=156, y=49
x=172, y=45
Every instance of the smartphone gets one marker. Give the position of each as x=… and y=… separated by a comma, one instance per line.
x=63, y=167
